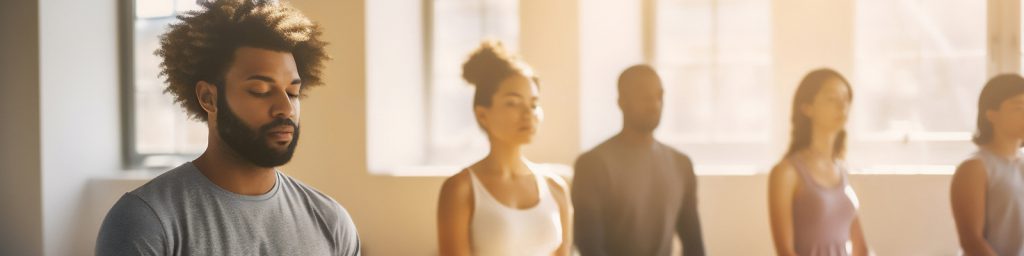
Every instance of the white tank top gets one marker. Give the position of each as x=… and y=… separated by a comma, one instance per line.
x=497, y=229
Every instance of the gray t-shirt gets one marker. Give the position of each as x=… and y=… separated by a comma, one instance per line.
x=631, y=200
x=182, y=212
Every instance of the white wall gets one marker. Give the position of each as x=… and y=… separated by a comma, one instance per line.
x=80, y=116
x=20, y=194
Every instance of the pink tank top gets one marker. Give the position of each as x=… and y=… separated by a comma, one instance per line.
x=821, y=215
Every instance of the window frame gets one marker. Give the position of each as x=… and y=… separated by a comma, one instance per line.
x=132, y=159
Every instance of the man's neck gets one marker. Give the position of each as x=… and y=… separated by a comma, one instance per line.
x=637, y=137
x=232, y=173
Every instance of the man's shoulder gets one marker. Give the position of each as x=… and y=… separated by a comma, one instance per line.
x=673, y=152
x=680, y=160
x=600, y=151
x=131, y=227
x=172, y=184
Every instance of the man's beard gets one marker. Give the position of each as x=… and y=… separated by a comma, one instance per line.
x=252, y=145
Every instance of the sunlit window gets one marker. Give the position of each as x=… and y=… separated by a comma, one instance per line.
x=160, y=133
x=715, y=60
x=919, y=67
x=416, y=93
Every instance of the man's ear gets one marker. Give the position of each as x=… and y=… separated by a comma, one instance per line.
x=207, y=95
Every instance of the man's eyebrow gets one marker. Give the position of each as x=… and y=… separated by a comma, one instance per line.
x=271, y=80
x=261, y=78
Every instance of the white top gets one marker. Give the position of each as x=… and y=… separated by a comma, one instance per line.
x=1004, y=203
x=497, y=229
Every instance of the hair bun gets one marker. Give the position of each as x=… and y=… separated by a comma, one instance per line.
x=488, y=64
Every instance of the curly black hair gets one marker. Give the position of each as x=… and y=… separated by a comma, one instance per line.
x=201, y=47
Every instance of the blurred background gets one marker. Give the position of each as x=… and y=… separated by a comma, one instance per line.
x=84, y=119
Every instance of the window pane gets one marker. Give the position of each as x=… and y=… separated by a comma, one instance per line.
x=154, y=8
x=458, y=28
x=161, y=127
x=919, y=66
x=715, y=62
x=182, y=6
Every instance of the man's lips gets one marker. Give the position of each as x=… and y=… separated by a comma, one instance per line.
x=282, y=134
x=283, y=129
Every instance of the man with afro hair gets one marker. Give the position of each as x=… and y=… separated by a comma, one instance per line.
x=241, y=67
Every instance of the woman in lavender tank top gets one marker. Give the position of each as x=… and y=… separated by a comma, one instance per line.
x=812, y=208
x=987, y=192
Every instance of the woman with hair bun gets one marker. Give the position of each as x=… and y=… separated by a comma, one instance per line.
x=501, y=205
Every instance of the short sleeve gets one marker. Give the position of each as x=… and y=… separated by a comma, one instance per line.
x=131, y=228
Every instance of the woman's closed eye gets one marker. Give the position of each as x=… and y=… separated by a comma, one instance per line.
x=512, y=103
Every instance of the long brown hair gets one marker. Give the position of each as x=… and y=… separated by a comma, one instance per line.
x=800, y=138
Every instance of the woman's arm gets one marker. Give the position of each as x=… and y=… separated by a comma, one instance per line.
x=454, y=211
x=781, y=186
x=860, y=244
x=967, y=197
x=560, y=191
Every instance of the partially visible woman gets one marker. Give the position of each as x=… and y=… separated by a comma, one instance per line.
x=500, y=205
x=811, y=204
x=987, y=192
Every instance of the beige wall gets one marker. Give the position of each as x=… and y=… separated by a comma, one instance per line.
x=396, y=216
x=902, y=214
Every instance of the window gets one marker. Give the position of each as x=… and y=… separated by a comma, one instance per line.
x=715, y=60
x=157, y=132
x=458, y=27
x=429, y=40
x=919, y=67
